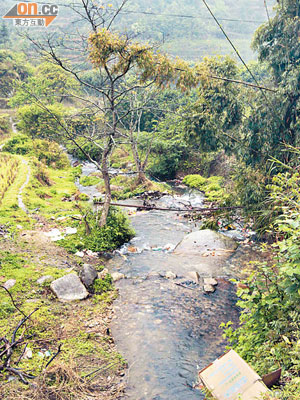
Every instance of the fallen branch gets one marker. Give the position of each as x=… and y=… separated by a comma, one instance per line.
x=54, y=356
x=149, y=207
x=12, y=300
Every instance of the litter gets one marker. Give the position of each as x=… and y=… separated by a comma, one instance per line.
x=231, y=378
x=70, y=231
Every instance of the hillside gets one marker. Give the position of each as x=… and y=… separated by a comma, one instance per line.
x=184, y=29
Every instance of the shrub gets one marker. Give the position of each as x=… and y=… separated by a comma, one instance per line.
x=45, y=151
x=269, y=334
x=103, y=285
x=4, y=124
x=114, y=234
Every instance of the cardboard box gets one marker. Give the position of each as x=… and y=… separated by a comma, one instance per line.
x=231, y=378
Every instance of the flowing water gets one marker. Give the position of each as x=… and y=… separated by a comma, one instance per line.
x=167, y=329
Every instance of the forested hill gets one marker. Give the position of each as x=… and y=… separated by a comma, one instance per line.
x=197, y=35
x=185, y=28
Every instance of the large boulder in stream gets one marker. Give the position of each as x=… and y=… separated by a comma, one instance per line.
x=205, y=243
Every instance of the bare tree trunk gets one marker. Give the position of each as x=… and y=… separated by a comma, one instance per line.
x=138, y=163
x=106, y=179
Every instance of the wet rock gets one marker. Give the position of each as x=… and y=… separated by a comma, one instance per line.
x=209, y=288
x=234, y=234
x=46, y=278
x=153, y=274
x=103, y=273
x=193, y=276
x=203, y=241
x=210, y=281
x=117, y=276
x=69, y=288
x=88, y=274
x=170, y=275
x=9, y=284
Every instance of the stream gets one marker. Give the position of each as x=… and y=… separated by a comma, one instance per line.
x=168, y=329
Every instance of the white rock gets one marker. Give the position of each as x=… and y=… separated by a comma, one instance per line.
x=54, y=235
x=103, y=273
x=193, y=276
x=61, y=218
x=91, y=253
x=170, y=275
x=117, y=276
x=210, y=281
x=69, y=288
x=209, y=288
x=9, y=284
x=70, y=231
x=79, y=254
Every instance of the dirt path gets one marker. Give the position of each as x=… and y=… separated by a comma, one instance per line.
x=20, y=197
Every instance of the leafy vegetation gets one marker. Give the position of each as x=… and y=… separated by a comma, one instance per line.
x=269, y=333
x=45, y=151
x=91, y=236
x=212, y=187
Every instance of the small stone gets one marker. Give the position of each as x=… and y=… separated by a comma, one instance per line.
x=46, y=278
x=170, y=275
x=91, y=253
x=70, y=231
x=210, y=281
x=69, y=288
x=88, y=275
x=79, y=254
x=193, y=276
x=117, y=276
x=103, y=273
x=209, y=288
x=9, y=284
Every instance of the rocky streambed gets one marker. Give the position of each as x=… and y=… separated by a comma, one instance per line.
x=167, y=317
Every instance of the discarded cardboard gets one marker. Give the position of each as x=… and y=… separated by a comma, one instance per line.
x=231, y=378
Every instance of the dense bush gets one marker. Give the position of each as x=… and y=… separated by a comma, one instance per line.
x=212, y=187
x=49, y=153
x=269, y=335
x=114, y=234
x=4, y=124
x=89, y=147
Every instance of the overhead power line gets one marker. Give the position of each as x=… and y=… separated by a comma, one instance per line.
x=157, y=14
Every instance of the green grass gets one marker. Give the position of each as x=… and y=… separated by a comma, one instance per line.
x=212, y=187
x=89, y=180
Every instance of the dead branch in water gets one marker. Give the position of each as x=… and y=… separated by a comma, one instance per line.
x=192, y=209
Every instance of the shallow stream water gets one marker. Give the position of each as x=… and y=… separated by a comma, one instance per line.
x=168, y=329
